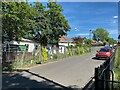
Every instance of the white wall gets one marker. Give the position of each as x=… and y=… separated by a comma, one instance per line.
x=66, y=44
x=31, y=45
x=61, y=49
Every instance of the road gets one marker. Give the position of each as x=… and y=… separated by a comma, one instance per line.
x=72, y=72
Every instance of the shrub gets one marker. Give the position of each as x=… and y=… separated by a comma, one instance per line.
x=44, y=53
x=37, y=61
x=70, y=51
x=78, y=50
x=55, y=56
x=83, y=51
x=117, y=67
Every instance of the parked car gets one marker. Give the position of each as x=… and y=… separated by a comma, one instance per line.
x=104, y=53
x=115, y=46
x=110, y=47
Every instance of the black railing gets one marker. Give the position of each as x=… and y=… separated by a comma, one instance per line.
x=104, y=76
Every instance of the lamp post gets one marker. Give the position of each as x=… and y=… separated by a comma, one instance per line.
x=90, y=38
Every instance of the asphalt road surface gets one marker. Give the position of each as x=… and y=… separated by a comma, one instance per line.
x=72, y=72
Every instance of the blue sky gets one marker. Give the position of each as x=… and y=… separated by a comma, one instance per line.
x=85, y=16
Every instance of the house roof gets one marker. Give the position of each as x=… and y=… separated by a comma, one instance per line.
x=66, y=39
x=79, y=39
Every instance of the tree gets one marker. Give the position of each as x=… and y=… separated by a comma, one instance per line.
x=79, y=40
x=88, y=42
x=100, y=34
x=111, y=41
x=58, y=23
x=42, y=25
x=16, y=20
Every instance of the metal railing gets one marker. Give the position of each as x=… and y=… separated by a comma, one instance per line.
x=104, y=76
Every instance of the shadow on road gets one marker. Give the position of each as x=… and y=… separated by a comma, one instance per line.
x=16, y=81
x=94, y=58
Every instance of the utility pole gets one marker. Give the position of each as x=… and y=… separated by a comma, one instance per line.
x=90, y=32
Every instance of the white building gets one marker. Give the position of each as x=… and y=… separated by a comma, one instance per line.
x=65, y=42
x=24, y=42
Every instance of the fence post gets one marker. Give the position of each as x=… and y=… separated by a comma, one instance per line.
x=96, y=79
x=108, y=75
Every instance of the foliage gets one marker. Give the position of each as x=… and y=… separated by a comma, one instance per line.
x=79, y=40
x=42, y=26
x=117, y=67
x=100, y=34
x=36, y=61
x=36, y=22
x=55, y=56
x=70, y=51
x=87, y=42
x=117, y=59
x=16, y=20
x=44, y=53
x=83, y=51
x=58, y=23
x=111, y=41
x=78, y=50
x=17, y=64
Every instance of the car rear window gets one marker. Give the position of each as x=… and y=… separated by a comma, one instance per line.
x=104, y=50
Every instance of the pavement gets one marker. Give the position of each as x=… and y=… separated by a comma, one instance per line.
x=68, y=73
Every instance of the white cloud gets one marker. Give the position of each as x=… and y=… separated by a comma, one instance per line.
x=115, y=17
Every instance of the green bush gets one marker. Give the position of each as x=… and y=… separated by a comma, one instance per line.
x=117, y=58
x=37, y=61
x=70, y=51
x=83, y=51
x=78, y=50
x=117, y=67
x=44, y=54
x=55, y=56
x=17, y=64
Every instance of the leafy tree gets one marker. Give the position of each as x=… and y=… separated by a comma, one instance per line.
x=15, y=19
x=21, y=19
x=58, y=23
x=88, y=42
x=79, y=40
x=100, y=34
x=111, y=41
x=42, y=21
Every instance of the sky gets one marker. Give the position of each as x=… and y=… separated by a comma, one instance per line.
x=86, y=16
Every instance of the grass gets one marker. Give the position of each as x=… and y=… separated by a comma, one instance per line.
x=117, y=68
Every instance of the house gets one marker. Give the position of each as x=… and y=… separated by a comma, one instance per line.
x=64, y=43
x=79, y=40
x=27, y=44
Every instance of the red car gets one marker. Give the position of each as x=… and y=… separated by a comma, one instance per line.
x=104, y=53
